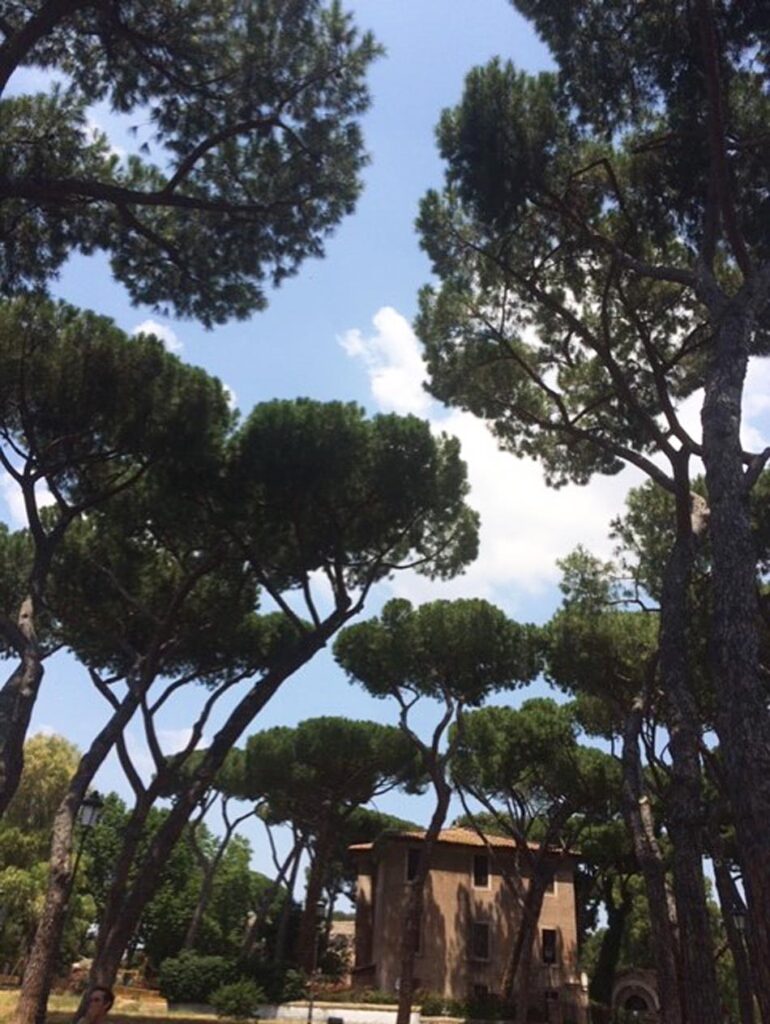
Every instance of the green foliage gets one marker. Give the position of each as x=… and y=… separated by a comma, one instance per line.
x=49, y=764
x=239, y=1000
x=279, y=981
x=249, y=147
x=191, y=978
x=463, y=648
x=382, y=490
x=25, y=839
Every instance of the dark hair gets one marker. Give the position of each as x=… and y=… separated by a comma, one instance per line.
x=109, y=995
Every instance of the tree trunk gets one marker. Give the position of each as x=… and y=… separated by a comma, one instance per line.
x=308, y=928
x=728, y=900
x=263, y=905
x=603, y=980
x=520, y=975
x=698, y=991
x=17, y=699
x=742, y=721
x=415, y=891
x=636, y=808
x=207, y=886
x=115, y=931
x=282, y=938
x=38, y=973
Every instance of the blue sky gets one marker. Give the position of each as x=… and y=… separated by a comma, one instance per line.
x=341, y=330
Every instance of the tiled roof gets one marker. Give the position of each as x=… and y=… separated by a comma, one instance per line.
x=456, y=836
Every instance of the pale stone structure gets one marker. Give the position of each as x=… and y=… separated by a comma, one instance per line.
x=471, y=913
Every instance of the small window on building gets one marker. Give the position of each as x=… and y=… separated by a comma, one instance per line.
x=480, y=871
x=549, y=946
x=550, y=880
x=480, y=940
x=412, y=863
x=480, y=991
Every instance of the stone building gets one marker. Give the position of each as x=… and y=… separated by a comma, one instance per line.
x=469, y=920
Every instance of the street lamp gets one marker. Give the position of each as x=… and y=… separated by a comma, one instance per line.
x=89, y=812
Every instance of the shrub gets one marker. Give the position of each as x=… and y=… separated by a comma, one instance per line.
x=191, y=978
x=279, y=982
x=240, y=999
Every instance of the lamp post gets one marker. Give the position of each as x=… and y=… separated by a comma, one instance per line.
x=88, y=815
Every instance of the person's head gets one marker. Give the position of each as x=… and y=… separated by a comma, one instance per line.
x=100, y=999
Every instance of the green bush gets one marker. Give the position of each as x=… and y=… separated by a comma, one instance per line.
x=435, y=1005
x=191, y=978
x=240, y=999
x=278, y=981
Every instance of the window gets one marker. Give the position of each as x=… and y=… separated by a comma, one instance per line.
x=412, y=863
x=549, y=945
x=480, y=991
x=550, y=883
x=480, y=940
x=480, y=871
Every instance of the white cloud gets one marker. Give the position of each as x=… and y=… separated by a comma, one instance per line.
x=230, y=396
x=525, y=526
x=393, y=361
x=14, y=501
x=162, y=331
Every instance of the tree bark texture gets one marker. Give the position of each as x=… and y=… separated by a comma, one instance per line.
x=698, y=991
x=742, y=721
x=125, y=909
x=603, y=980
x=638, y=815
x=729, y=900
x=38, y=973
x=414, y=901
x=17, y=699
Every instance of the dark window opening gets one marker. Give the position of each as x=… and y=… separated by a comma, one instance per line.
x=480, y=991
x=549, y=945
x=480, y=871
x=480, y=940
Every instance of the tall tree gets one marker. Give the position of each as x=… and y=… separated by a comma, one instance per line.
x=85, y=411
x=315, y=504
x=600, y=257
x=250, y=152
x=528, y=771
x=454, y=653
x=315, y=776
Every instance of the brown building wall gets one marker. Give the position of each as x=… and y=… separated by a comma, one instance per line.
x=446, y=963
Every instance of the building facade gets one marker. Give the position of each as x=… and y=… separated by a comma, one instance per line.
x=471, y=913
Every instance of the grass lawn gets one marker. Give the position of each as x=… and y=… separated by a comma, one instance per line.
x=61, y=1009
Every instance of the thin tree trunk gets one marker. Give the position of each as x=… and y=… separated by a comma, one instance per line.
x=603, y=980
x=520, y=981
x=699, y=992
x=308, y=928
x=742, y=721
x=38, y=973
x=116, y=932
x=415, y=892
x=282, y=938
x=17, y=699
x=636, y=807
x=263, y=904
x=729, y=899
